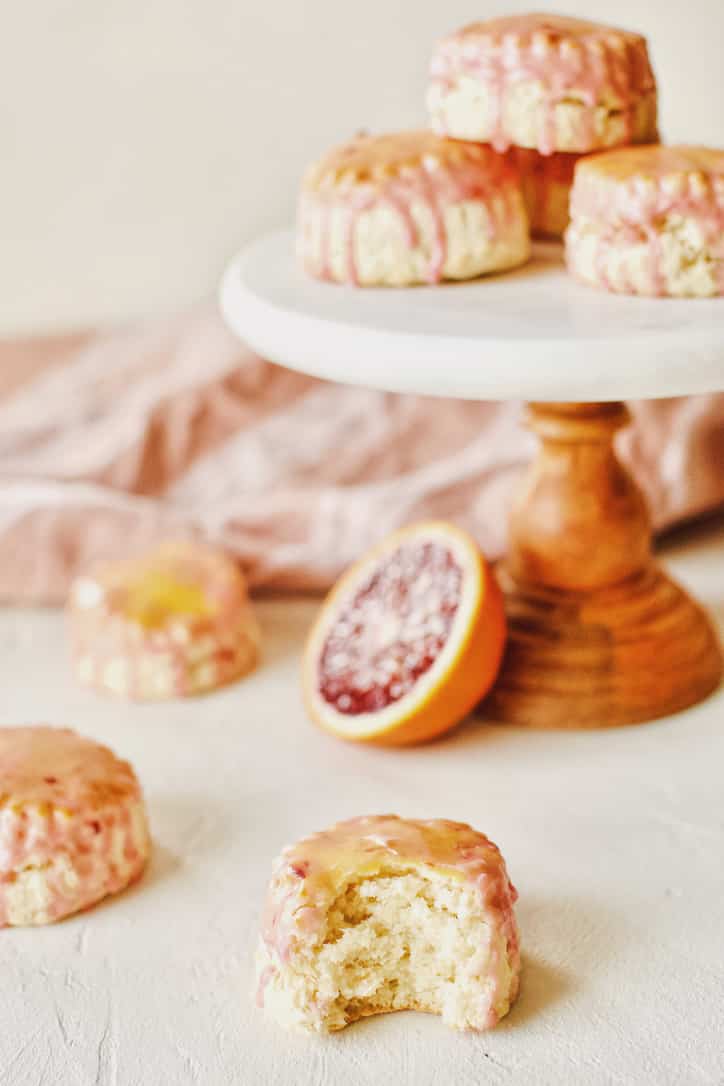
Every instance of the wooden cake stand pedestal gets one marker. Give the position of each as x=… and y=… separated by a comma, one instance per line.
x=599, y=635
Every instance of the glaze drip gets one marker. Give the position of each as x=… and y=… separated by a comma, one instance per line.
x=632, y=195
x=416, y=176
x=592, y=65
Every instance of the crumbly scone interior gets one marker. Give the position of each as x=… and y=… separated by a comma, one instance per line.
x=401, y=940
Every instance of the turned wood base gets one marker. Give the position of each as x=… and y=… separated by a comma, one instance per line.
x=599, y=636
x=632, y=652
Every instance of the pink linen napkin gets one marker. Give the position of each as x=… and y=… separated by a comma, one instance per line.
x=111, y=441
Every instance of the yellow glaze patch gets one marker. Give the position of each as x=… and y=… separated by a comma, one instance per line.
x=155, y=597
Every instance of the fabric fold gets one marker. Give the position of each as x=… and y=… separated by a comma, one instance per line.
x=111, y=441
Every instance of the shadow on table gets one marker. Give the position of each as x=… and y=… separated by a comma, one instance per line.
x=541, y=986
x=189, y=826
x=574, y=941
x=476, y=731
x=161, y=865
x=285, y=624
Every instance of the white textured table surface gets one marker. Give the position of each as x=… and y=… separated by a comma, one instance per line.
x=615, y=841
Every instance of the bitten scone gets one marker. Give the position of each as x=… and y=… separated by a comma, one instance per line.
x=410, y=208
x=387, y=914
x=72, y=824
x=546, y=181
x=543, y=81
x=649, y=220
x=176, y=622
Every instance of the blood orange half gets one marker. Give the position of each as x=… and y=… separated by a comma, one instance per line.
x=408, y=640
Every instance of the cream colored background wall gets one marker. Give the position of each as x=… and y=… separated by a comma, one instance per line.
x=143, y=140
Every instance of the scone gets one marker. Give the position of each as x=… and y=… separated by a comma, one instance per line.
x=387, y=914
x=649, y=220
x=72, y=824
x=543, y=81
x=410, y=208
x=176, y=622
x=546, y=181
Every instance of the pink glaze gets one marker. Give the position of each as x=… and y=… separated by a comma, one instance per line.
x=99, y=643
x=264, y=978
x=102, y=631
x=602, y=253
x=439, y=250
x=309, y=876
x=62, y=794
x=631, y=193
x=563, y=55
x=656, y=249
x=475, y=174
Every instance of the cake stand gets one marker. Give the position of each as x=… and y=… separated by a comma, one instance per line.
x=599, y=634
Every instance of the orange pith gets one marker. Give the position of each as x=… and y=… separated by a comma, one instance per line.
x=408, y=641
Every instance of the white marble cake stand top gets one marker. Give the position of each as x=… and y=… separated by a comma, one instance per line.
x=534, y=333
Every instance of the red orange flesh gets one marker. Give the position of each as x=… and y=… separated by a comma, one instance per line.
x=408, y=640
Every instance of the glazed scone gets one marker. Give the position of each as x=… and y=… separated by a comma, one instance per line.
x=649, y=220
x=410, y=208
x=546, y=82
x=176, y=622
x=386, y=914
x=72, y=824
x=547, y=182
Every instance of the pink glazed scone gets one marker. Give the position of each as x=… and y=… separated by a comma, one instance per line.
x=408, y=208
x=649, y=220
x=543, y=81
x=382, y=913
x=174, y=623
x=72, y=824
